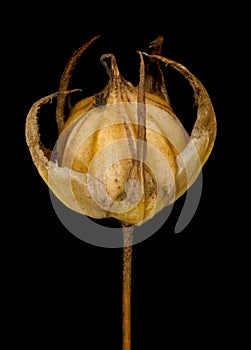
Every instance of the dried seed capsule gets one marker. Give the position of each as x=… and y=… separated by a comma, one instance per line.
x=123, y=152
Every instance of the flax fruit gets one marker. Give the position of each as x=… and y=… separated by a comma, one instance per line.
x=123, y=152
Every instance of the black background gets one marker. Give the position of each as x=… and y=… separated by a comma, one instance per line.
x=184, y=286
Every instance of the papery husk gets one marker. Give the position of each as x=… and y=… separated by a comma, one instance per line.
x=123, y=152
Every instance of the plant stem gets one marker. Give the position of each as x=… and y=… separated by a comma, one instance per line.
x=127, y=269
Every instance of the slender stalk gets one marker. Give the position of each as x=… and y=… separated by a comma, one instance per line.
x=126, y=301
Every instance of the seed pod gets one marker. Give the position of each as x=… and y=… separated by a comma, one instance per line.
x=123, y=153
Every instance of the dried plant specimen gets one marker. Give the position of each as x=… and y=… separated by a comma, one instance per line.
x=123, y=152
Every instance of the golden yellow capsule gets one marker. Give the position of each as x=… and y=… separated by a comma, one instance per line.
x=123, y=153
